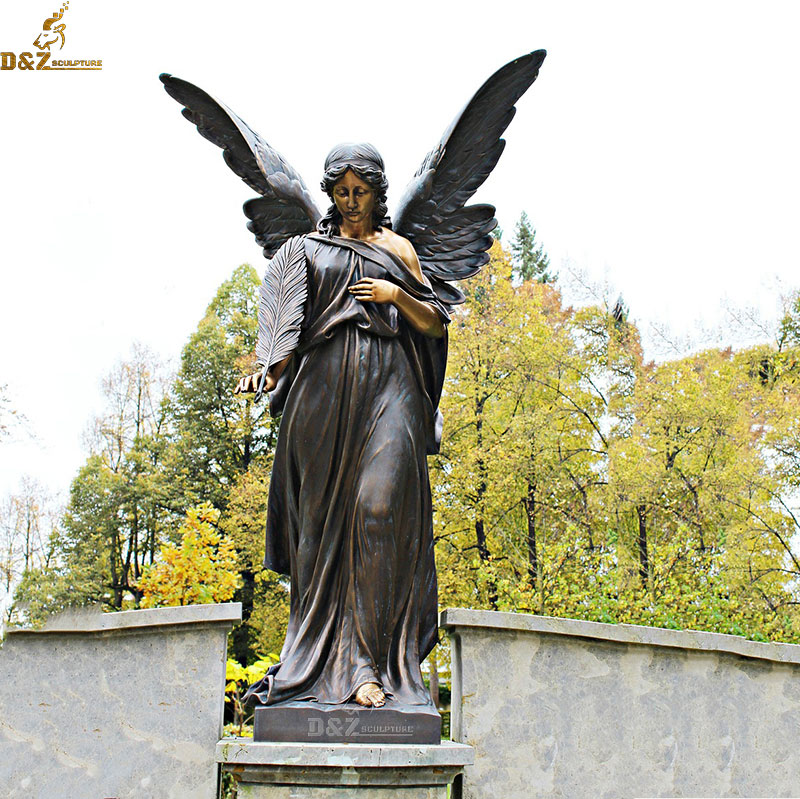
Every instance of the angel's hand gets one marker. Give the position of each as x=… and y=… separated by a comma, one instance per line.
x=370, y=289
x=249, y=383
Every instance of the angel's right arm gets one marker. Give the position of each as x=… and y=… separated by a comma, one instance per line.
x=420, y=315
x=278, y=370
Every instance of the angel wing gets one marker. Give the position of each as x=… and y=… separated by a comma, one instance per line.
x=285, y=208
x=451, y=239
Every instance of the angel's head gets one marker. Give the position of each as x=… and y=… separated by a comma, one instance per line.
x=365, y=163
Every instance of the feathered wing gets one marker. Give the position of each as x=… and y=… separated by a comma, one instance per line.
x=285, y=208
x=281, y=306
x=452, y=239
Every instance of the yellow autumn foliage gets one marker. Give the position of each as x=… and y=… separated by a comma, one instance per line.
x=203, y=569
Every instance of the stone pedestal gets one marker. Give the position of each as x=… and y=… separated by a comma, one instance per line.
x=265, y=770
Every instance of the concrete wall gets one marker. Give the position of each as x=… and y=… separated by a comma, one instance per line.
x=569, y=709
x=114, y=705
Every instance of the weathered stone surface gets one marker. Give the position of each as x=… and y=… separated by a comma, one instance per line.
x=245, y=751
x=623, y=633
x=350, y=723
x=114, y=705
x=562, y=708
x=334, y=771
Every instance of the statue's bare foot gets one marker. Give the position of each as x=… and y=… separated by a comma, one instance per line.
x=370, y=694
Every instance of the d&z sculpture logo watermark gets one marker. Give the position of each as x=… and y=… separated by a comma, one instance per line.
x=53, y=32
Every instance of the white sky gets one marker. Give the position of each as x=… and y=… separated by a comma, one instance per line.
x=658, y=152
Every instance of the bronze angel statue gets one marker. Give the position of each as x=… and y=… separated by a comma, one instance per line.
x=353, y=344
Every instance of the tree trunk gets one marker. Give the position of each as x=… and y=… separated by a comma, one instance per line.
x=483, y=552
x=644, y=561
x=433, y=665
x=240, y=636
x=480, y=496
x=533, y=555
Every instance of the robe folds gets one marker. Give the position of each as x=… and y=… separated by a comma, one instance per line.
x=349, y=513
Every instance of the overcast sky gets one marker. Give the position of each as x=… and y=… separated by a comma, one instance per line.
x=657, y=153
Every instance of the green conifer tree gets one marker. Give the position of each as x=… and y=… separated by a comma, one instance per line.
x=531, y=262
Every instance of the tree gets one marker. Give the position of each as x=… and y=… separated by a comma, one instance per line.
x=202, y=569
x=28, y=519
x=222, y=442
x=789, y=325
x=238, y=680
x=564, y=389
x=264, y=594
x=523, y=450
x=117, y=515
x=699, y=529
x=217, y=434
x=576, y=480
x=530, y=260
x=465, y=503
x=7, y=413
x=162, y=446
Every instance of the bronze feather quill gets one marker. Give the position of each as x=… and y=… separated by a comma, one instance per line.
x=280, y=313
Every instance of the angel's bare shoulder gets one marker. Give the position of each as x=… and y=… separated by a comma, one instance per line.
x=402, y=247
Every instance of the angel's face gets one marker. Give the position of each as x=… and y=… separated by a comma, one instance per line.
x=354, y=198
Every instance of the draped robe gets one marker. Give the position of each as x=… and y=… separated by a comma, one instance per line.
x=349, y=512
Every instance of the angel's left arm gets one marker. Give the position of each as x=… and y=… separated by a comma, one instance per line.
x=422, y=316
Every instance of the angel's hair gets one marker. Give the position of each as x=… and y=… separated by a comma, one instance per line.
x=366, y=162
